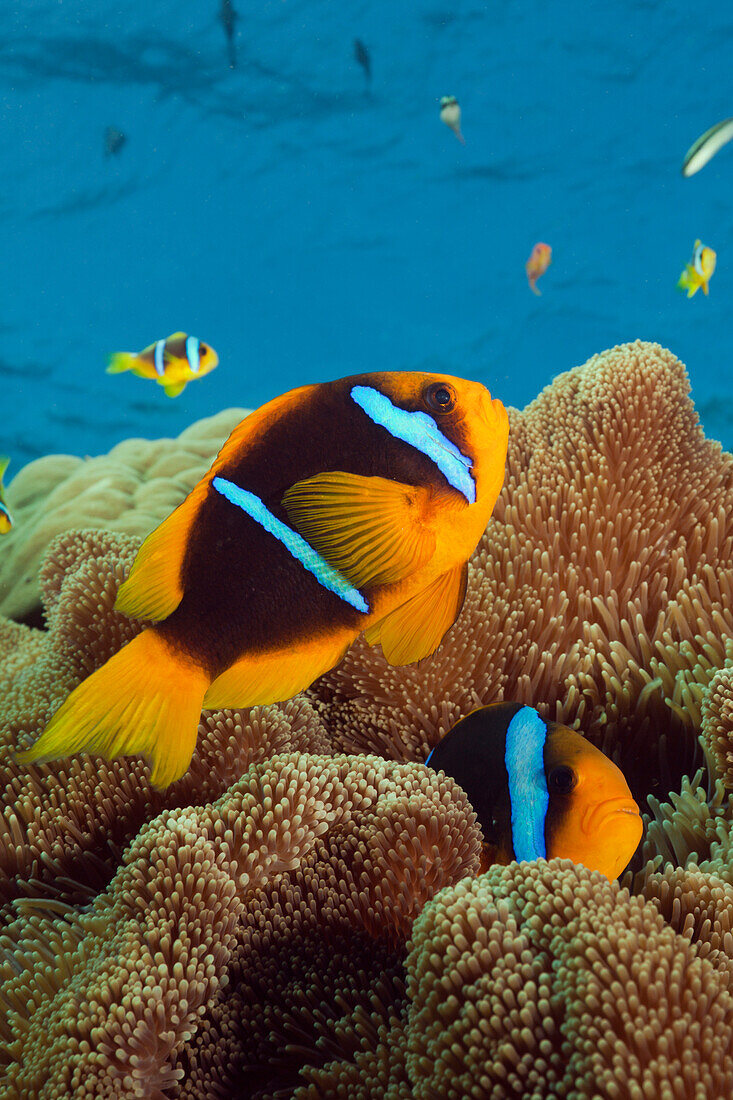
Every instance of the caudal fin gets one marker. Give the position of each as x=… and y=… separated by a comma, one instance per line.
x=144, y=700
x=121, y=360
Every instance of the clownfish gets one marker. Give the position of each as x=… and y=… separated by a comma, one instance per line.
x=540, y=790
x=6, y=520
x=450, y=114
x=699, y=271
x=539, y=260
x=172, y=363
x=346, y=507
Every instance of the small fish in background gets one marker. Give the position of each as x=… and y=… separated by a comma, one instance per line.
x=361, y=54
x=172, y=363
x=6, y=520
x=540, y=790
x=699, y=271
x=114, y=139
x=539, y=260
x=336, y=509
x=228, y=18
x=706, y=146
x=450, y=114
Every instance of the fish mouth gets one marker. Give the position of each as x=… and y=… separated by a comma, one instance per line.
x=611, y=809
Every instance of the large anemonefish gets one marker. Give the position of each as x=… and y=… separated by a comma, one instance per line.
x=540, y=790
x=337, y=508
x=172, y=363
x=6, y=520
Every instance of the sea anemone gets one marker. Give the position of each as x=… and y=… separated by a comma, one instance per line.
x=288, y=921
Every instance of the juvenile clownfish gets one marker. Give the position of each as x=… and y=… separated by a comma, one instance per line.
x=540, y=790
x=699, y=271
x=450, y=114
x=539, y=260
x=172, y=363
x=6, y=520
x=336, y=509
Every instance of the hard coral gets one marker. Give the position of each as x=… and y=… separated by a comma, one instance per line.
x=131, y=490
x=602, y=591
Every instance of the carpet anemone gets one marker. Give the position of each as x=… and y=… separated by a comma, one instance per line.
x=301, y=915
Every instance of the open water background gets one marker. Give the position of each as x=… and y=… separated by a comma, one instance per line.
x=310, y=226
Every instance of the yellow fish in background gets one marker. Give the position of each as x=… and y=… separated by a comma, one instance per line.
x=334, y=510
x=699, y=271
x=172, y=363
x=6, y=520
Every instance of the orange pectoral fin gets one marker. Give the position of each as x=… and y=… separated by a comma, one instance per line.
x=416, y=628
x=153, y=589
x=372, y=530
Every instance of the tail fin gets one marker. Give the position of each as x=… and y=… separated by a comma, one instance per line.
x=121, y=360
x=145, y=700
x=685, y=282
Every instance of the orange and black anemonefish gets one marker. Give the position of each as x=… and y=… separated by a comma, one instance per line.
x=337, y=508
x=540, y=790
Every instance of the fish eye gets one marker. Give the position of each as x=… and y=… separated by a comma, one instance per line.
x=439, y=397
x=562, y=779
x=202, y=349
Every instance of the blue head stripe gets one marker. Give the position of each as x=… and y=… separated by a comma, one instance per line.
x=420, y=431
x=192, y=353
x=302, y=551
x=528, y=794
x=159, y=357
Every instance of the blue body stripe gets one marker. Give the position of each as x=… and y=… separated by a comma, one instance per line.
x=302, y=551
x=159, y=361
x=420, y=431
x=4, y=512
x=528, y=794
x=192, y=353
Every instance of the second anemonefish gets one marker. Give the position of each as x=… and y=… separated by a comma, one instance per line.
x=6, y=520
x=450, y=114
x=346, y=507
x=539, y=260
x=699, y=271
x=540, y=790
x=172, y=363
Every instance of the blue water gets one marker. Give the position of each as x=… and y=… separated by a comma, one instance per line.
x=309, y=226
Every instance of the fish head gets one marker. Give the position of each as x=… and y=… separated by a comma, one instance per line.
x=591, y=815
x=453, y=420
x=208, y=359
x=703, y=260
x=708, y=259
